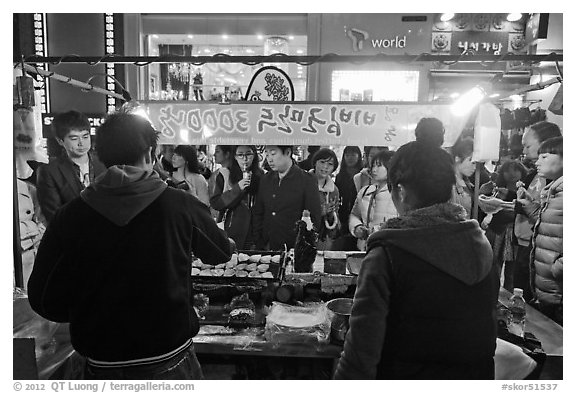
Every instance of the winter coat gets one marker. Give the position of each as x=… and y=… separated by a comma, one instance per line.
x=526, y=215
x=373, y=207
x=279, y=205
x=329, y=225
x=345, y=183
x=362, y=179
x=462, y=194
x=425, y=300
x=116, y=264
x=59, y=182
x=546, y=259
x=235, y=207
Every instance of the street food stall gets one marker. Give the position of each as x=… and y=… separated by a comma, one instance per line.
x=257, y=305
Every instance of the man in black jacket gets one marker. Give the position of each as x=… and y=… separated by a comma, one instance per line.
x=68, y=174
x=116, y=263
x=284, y=193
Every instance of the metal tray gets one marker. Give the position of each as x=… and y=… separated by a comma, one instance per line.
x=277, y=270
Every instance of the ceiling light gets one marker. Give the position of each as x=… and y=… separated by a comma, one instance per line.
x=224, y=36
x=446, y=17
x=290, y=37
x=260, y=36
x=190, y=36
x=514, y=17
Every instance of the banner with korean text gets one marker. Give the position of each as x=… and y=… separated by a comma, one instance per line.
x=295, y=123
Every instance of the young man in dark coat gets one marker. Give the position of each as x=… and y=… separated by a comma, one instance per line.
x=424, y=307
x=67, y=175
x=284, y=193
x=116, y=263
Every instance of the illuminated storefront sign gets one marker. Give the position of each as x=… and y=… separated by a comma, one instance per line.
x=293, y=123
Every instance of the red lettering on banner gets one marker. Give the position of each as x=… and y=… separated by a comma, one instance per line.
x=170, y=121
x=334, y=127
x=369, y=119
x=194, y=121
x=210, y=119
x=242, y=121
x=282, y=116
x=313, y=119
x=227, y=121
x=265, y=114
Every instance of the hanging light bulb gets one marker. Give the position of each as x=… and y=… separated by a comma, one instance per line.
x=467, y=101
x=133, y=107
x=446, y=17
x=514, y=17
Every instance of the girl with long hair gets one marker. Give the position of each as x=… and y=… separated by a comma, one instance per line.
x=187, y=172
x=234, y=203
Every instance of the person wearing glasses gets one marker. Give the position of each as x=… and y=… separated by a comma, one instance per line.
x=234, y=204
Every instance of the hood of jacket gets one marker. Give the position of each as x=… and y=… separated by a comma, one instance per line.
x=122, y=192
x=443, y=237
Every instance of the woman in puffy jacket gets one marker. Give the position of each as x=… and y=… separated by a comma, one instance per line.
x=373, y=204
x=546, y=259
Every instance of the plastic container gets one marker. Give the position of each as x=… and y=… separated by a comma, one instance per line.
x=335, y=262
x=517, y=318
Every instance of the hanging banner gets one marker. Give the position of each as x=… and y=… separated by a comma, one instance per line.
x=295, y=123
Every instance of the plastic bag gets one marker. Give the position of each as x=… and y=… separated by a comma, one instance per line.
x=286, y=324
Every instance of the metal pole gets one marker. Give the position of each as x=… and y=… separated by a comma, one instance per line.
x=282, y=58
x=479, y=166
x=73, y=82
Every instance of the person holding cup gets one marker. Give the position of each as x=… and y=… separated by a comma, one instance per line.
x=373, y=204
x=235, y=203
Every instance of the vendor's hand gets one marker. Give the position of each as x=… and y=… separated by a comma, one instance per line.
x=232, y=245
x=244, y=183
x=361, y=232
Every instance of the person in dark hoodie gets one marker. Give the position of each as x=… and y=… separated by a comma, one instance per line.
x=116, y=263
x=424, y=306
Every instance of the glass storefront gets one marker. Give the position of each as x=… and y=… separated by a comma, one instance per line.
x=210, y=81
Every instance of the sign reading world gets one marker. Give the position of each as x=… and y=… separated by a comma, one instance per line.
x=294, y=123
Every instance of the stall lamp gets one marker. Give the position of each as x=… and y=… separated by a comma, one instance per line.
x=446, y=17
x=133, y=107
x=467, y=101
x=513, y=17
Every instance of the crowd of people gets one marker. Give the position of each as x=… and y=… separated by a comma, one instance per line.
x=414, y=204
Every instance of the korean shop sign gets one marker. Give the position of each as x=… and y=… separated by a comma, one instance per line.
x=292, y=123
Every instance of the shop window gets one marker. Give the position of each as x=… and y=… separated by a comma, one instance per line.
x=208, y=82
x=349, y=85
